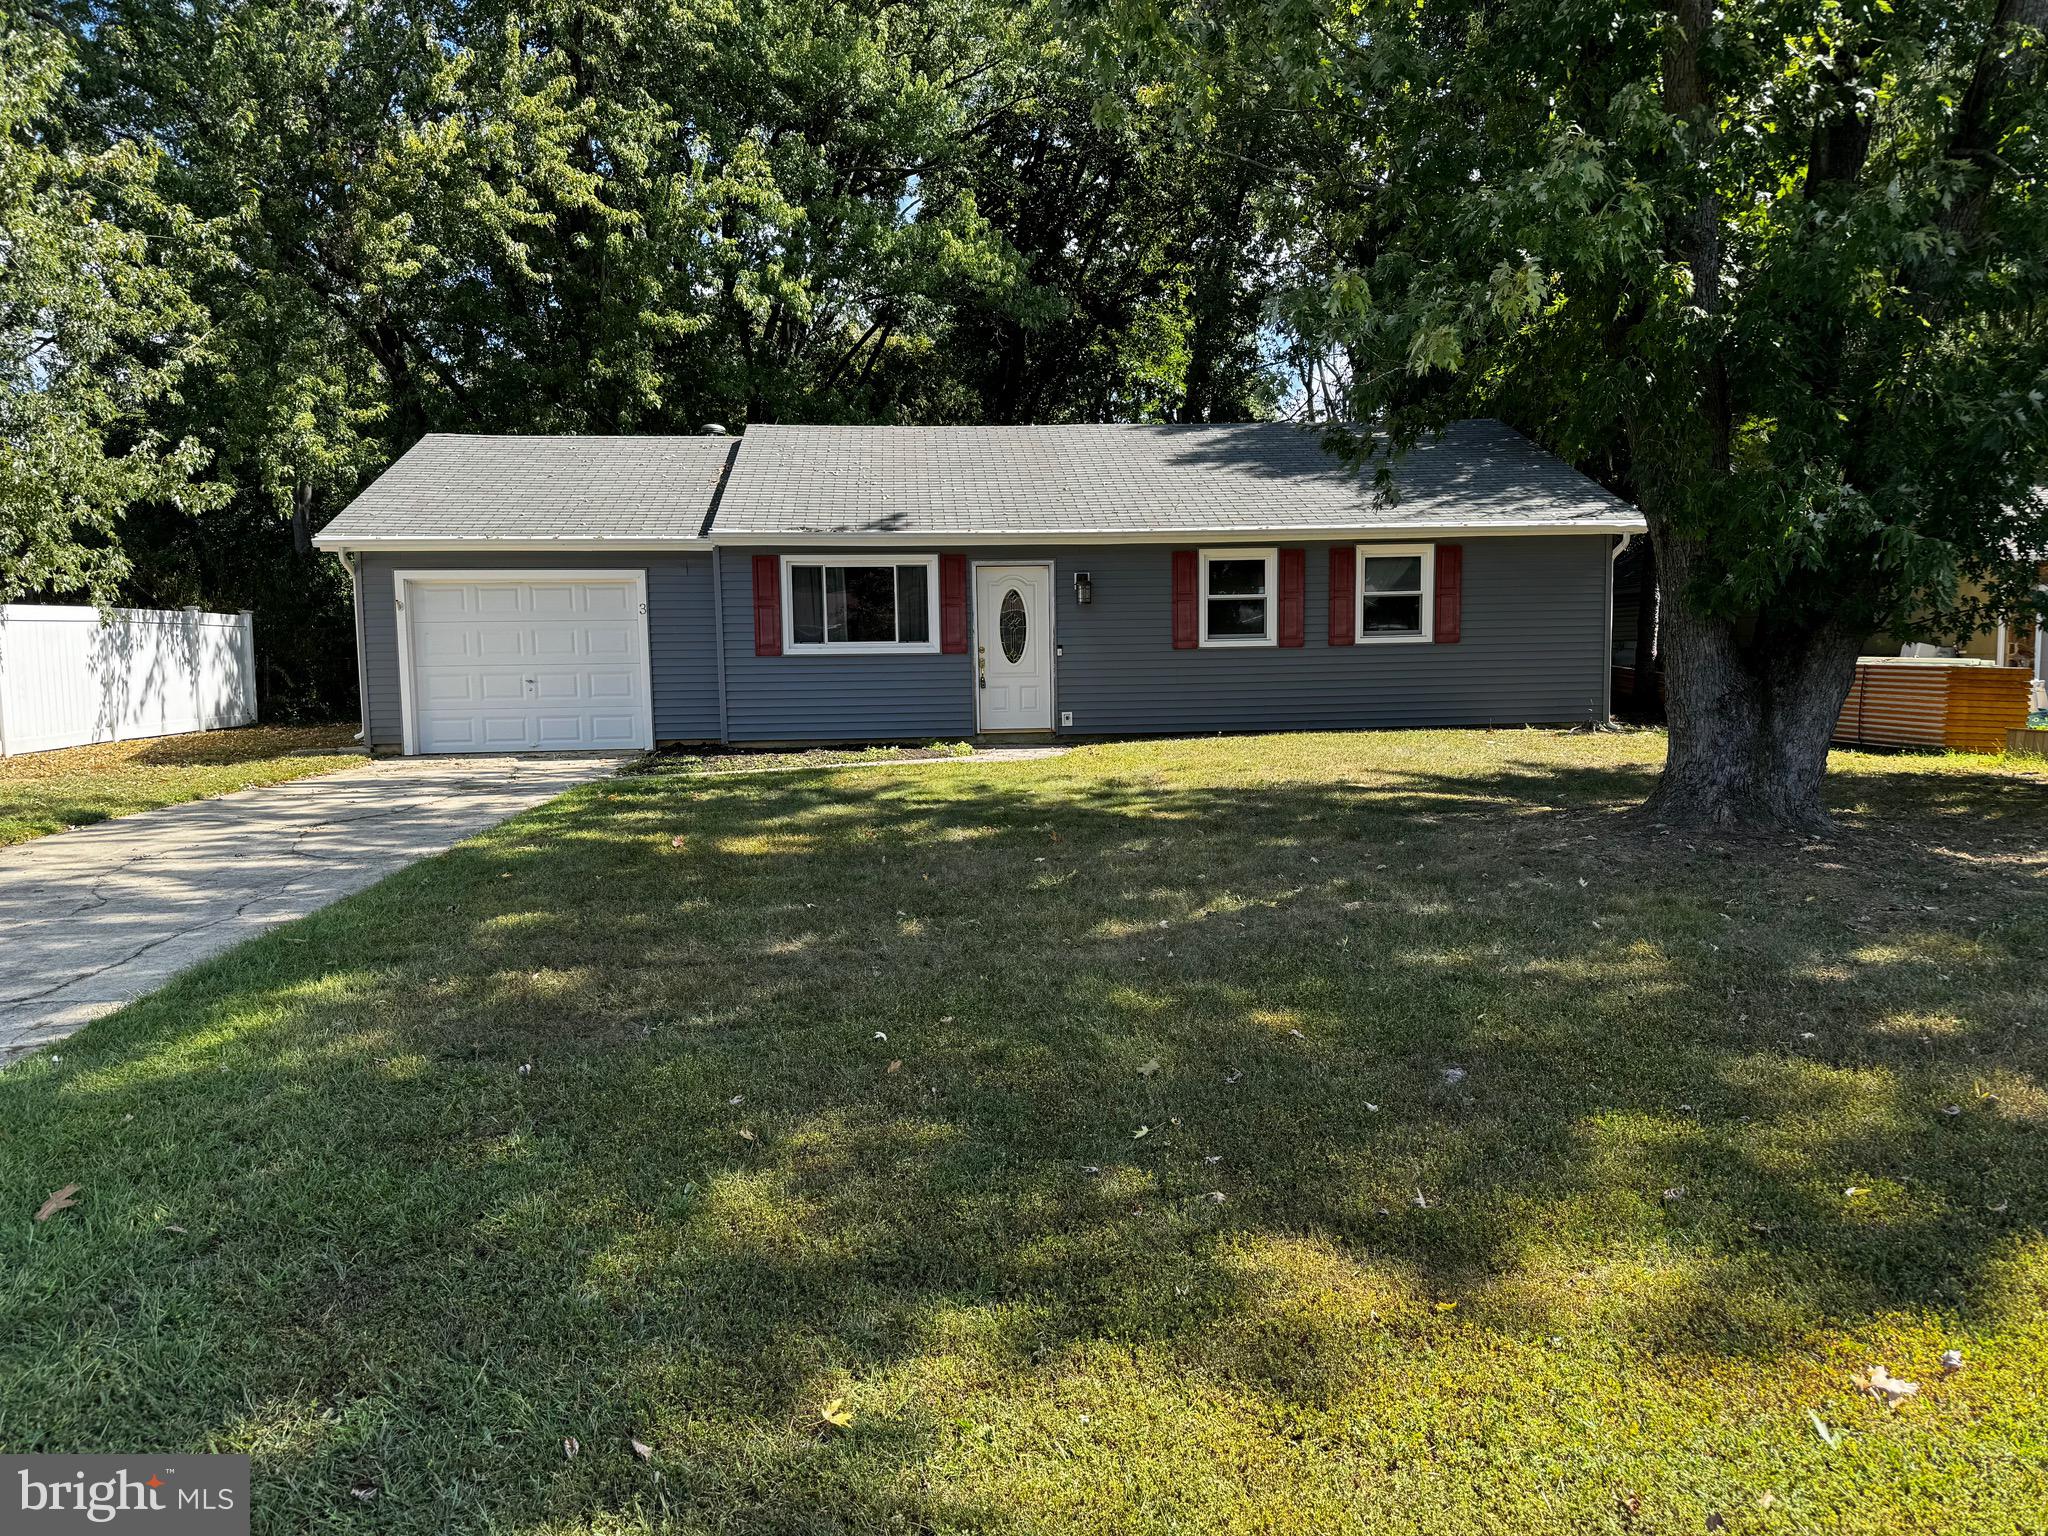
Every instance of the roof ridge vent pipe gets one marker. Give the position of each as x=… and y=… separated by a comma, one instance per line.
x=712, y=429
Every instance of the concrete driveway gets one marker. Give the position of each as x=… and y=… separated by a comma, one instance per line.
x=95, y=918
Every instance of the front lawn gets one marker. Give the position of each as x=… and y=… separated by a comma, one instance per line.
x=44, y=792
x=1293, y=1134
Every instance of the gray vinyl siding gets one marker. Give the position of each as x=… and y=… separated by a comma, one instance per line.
x=680, y=624
x=1533, y=645
x=821, y=697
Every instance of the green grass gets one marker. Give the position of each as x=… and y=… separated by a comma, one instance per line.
x=326, y=1220
x=45, y=792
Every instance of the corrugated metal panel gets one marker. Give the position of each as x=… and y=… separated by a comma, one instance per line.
x=679, y=632
x=1532, y=650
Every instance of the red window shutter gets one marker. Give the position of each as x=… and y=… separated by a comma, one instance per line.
x=953, y=604
x=767, y=606
x=1293, y=596
x=1186, y=635
x=1343, y=594
x=1450, y=592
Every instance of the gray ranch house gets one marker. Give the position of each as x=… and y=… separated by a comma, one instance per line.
x=836, y=584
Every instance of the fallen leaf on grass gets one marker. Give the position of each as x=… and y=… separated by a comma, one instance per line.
x=1827, y=1436
x=896, y=1066
x=364, y=1491
x=570, y=1446
x=641, y=1448
x=677, y=841
x=835, y=1414
x=1951, y=1360
x=173, y=1227
x=745, y=1134
x=63, y=1199
x=1141, y=1133
x=1149, y=1068
x=1885, y=1387
x=1447, y=1306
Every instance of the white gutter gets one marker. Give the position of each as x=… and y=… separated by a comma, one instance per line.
x=400, y=546
x=942, y=538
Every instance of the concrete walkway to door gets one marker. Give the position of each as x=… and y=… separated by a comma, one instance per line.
x=94, y=918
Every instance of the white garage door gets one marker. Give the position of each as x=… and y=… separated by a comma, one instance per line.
x=535, y=664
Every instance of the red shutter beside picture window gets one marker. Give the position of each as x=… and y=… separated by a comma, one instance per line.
x=1293, y=596
x=767, y=606
x=1343, y=594
x=1450, y=593
x=953, y=604
x=1185, y=633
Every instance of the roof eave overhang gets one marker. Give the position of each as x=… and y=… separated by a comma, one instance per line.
x=364, y=545
x=734, y=538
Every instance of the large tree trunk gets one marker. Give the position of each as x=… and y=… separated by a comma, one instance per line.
x=1751, y=713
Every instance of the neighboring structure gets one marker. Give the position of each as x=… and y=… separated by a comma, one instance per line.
x=896, y=583
x=72, y=676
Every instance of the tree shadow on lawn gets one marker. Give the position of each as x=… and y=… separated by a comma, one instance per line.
x=917, y=1090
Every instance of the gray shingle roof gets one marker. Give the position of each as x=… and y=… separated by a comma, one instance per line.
x=806, y=481
x=958, y=482
x=621, y=490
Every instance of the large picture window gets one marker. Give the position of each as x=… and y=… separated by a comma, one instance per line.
x=1396, y=592
x=1239, y=596
x=836, y=604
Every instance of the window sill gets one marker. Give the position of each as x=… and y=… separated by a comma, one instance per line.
x=867, y=648
x=1394, y=640
x=1233, y=645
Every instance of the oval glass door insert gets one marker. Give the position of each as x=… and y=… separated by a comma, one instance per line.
x=1010, y=624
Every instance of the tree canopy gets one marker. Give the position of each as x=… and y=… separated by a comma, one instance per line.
x=1777, y=269
x=640, y=217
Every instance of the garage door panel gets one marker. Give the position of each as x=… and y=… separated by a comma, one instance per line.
x=443, y=687
x=512, y=665
x=500, y=602
x=500, y=642
x=440, y=602
x=501, y=687
x=554, y=601
x=609, y=642
x=552, y=642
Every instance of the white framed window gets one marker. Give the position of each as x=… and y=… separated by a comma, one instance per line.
x=1240, y=596
x=1396, y=593
x=846, y=604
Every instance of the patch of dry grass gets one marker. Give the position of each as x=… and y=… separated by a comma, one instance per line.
x=44, y=792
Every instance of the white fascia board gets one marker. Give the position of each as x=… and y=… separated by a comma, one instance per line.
x=487, y=546
x=948, y=539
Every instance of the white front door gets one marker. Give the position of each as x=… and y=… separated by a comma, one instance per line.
x=1013, y=646
x=525, y=664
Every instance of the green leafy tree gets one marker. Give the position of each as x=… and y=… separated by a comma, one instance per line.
x=1779, y=269
x=95, y=329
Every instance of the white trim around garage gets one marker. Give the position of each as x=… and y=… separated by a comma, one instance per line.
x=402, y=579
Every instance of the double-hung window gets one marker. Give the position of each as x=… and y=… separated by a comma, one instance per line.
x=1239, y=596
x=834, y=603
x=1396, y=592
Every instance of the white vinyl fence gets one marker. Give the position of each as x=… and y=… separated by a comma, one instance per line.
x=67, y=678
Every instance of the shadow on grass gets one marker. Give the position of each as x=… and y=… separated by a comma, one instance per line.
x=919, y=1090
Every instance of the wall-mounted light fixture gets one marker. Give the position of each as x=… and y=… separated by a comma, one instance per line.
x=1084, y=588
